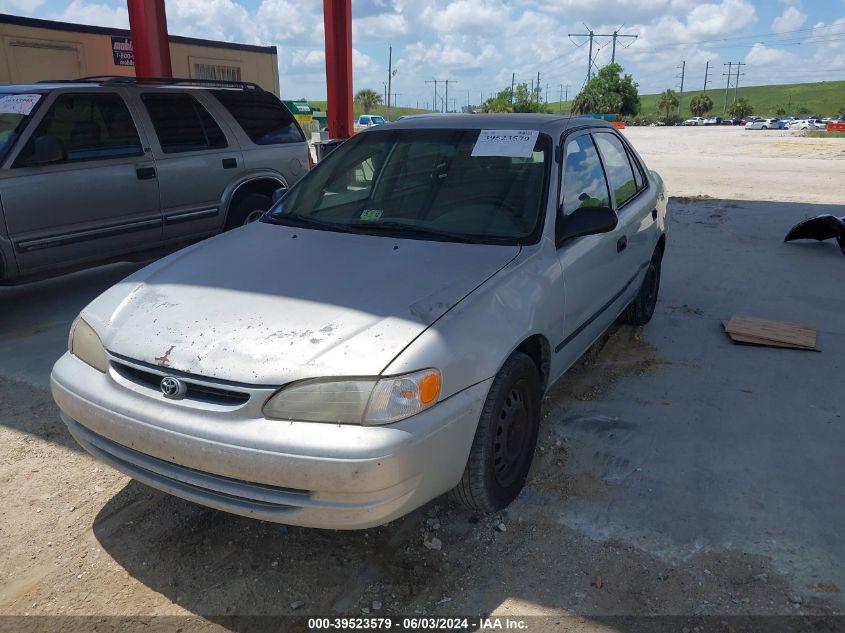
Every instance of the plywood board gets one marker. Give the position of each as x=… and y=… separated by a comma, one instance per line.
x=756, y=340
x=782, y=332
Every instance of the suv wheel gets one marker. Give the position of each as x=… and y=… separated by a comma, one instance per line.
x=248, y=210
x=505, y=439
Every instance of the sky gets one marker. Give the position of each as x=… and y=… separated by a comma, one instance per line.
x=478, y=44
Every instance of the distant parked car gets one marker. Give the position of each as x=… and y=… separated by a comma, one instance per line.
x=764, y=124
x=696, y=120
x=101, y=169
x=807, y=124
x=713, y=120
x=733, y=121
x=369, y=120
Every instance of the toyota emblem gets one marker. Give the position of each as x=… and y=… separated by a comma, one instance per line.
x=173, y=388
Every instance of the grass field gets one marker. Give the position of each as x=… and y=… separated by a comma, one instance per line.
x=823, y=98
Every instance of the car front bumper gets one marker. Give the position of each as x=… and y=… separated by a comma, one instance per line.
x=298, y=473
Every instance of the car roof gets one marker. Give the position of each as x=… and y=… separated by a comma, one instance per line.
x=506, y=121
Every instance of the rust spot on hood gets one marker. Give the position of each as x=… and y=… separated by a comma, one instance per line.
x=164, y=360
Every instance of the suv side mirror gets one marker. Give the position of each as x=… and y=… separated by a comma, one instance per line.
x=47, y=149
x=585, y=221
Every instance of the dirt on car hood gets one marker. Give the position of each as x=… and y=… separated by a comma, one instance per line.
x=267, y=304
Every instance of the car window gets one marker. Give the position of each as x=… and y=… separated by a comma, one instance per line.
x=262, y=116
x=182, y=123
x=424, y=184
x=584, y=183
x=620, y=176
x=88, y=127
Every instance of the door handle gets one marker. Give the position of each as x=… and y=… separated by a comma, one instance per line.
x=621, y=243
x=654, y=214
x=145, y=173
x=230, y=163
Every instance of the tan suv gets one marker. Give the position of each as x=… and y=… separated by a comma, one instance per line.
x=102, y=168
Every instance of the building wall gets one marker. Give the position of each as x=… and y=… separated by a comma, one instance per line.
x=29, y=54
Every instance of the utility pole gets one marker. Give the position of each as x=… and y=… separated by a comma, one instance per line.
x=681, y=95
x=592, y=35
x=706, y=75
x=547, y=95
x=513, y=79
x=434, y=101
x=738, y=65
x=560, y=101
x=616, y=35
x=467, y=100
x=728, y=87
x=447, y=81
x=539, y=88
x=396, y=96
x=389, y=77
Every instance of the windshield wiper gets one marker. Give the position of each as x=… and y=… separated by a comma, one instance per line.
x=290, y=219
x=421, y=231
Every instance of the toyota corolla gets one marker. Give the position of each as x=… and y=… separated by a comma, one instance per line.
x=384, y=334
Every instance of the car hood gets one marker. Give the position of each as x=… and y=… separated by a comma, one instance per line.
x=267, y=304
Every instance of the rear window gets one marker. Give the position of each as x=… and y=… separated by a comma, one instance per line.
x=261, y=115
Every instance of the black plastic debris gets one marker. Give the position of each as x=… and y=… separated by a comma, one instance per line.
x=823, y=227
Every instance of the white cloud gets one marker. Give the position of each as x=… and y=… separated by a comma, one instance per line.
x=762, y=55
x=20, y=7
x=81, y=12
x=384, y=26
x=791, y=19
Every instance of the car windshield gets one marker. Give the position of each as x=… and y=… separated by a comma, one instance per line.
x=14, y=112
x=423, y=184
x=378, y=120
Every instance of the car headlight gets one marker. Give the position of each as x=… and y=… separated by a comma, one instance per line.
x=84, y=343
x=356, y=400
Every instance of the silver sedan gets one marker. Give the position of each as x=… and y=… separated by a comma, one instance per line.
x=385, y=334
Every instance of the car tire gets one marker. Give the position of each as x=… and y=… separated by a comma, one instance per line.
x=248, y=210
x=505, y=439
x=641, y=309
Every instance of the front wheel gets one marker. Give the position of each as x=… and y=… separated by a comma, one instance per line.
x=504, y=442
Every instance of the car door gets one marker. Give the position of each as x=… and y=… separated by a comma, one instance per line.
x=196, y=159
x=633, y=202
x=90, y=197
x=593, y=269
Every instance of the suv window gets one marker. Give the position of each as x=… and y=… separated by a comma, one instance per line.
x=261, y=115
x=89, y=127
x=617, y=166
x=584, y=183
x=182, y=123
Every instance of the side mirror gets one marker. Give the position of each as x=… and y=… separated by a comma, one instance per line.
x=46, y=149
x=585, y=221
x=278, y=193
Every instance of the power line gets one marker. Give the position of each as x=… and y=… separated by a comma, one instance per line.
x=706, y=76
x=728, y=87
x=592, y=35
x=683, y=68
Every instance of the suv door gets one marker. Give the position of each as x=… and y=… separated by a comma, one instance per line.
x=196, y=159
x=93, y=198
x=594, y=270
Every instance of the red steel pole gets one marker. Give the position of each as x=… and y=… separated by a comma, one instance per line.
x=337, y=19
x=150, y=44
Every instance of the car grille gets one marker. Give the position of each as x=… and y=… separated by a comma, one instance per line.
x=196, y=391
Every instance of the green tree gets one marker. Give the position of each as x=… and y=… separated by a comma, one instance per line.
x=700, y=104
x=741, y=108
x=780, y=112
x=668, y=101
x=520, y=100
x=367, y=99
x=609, y=91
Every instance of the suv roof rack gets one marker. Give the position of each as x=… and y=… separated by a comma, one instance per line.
x=123, y=80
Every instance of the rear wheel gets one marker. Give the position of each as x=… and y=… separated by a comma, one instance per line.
x=248, y=210
x=641, y=309
x=505, y=439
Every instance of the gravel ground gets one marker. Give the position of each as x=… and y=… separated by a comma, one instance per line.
x=81, y=539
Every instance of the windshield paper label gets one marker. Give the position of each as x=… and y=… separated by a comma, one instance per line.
x=18, y=104
x=371, y=215
x=511, y=143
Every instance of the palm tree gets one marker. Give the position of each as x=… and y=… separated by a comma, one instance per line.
x=367, y=99
x=701, y=104
x=668, y=101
